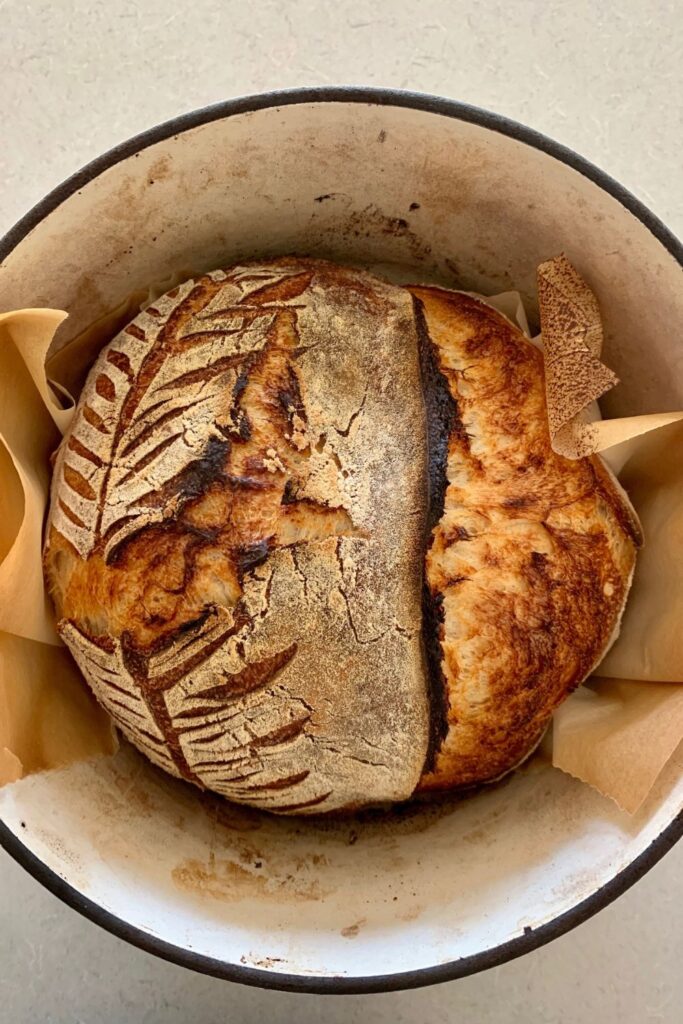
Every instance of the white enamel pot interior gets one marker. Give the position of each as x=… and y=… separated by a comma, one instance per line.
x=432, y=190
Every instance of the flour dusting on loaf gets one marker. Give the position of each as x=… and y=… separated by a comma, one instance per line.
x=311, y=548
x=236, y=536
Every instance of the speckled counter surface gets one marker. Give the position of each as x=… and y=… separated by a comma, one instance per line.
x=78, y=77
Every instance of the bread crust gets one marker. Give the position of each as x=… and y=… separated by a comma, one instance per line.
x=311, y=548
x=529, y=565
x=236, y=536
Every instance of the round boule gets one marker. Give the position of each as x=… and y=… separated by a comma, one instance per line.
x=311, y=548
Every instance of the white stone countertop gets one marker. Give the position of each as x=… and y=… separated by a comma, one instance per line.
x=605, y=79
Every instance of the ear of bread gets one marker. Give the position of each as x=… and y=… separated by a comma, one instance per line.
x=529, y=564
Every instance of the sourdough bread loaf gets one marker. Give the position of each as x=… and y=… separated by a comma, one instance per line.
x=310, y=546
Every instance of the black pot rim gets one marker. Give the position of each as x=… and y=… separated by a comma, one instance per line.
x=531, y=938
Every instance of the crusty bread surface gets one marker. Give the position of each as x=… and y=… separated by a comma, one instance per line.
x=528, y=567
x=311, y=548
x=236, y=536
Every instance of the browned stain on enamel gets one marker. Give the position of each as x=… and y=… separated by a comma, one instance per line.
x=352, y=930
x=219, y=878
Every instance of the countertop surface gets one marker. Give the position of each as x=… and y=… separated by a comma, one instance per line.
x=606, y=80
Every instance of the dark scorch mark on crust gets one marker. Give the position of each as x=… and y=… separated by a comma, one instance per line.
x=254, y=676
x=252, y=555
x=432, y=630
x=442, y=418
x=187, y=486
x=289, y=398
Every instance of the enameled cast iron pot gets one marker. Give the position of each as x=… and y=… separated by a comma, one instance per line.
x=430, y=189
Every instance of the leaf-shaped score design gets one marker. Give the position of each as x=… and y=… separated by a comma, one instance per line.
x=157, y=427
x=187, y=465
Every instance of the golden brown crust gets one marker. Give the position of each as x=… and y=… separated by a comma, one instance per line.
x=236, y=524
x=531, y=560
x=240, y=512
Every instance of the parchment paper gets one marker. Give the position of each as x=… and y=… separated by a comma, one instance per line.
x=575, y=378
x=47, y=716
x=615, y=734
x=618, y=733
